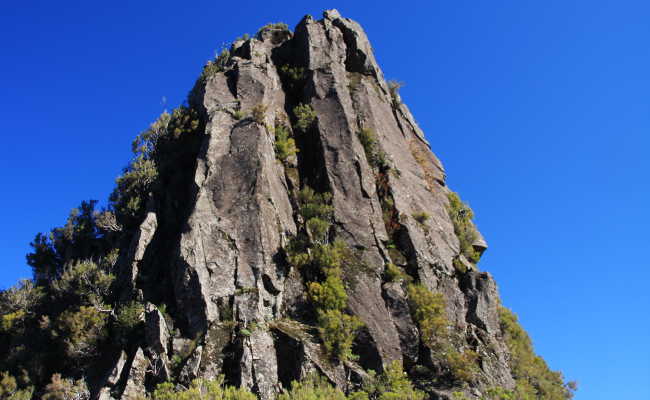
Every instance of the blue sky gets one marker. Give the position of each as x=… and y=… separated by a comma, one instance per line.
x=540, y=112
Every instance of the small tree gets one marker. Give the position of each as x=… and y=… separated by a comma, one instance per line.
x=81, y=332
x=305, y=116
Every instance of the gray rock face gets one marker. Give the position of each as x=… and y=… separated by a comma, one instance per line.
x=236, y=305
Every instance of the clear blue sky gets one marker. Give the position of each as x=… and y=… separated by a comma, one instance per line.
x=540, y=112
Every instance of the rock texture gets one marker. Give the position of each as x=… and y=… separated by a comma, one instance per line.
x=212, y=245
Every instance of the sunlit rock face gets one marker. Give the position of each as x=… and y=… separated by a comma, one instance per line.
x=213, y=245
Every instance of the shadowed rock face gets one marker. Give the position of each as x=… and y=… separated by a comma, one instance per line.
x=217, y=234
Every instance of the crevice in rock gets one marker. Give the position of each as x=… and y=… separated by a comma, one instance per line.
x=356, y=59
x=268, y=285
x=290, y=354
x=365, y=348
x=231, y=370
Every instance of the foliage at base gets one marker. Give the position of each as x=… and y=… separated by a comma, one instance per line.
x=202, y=389
x=392, y=384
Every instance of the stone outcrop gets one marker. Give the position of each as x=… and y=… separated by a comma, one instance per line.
x=212, y=247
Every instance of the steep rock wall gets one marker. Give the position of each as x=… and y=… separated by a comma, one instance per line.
x=216, y=238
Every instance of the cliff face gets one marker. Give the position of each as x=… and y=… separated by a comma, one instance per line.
x=226, y=261
x=213, y=256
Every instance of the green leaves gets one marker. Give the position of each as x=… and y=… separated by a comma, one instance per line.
x=305, y=116
x=81, y=331
x=393, y=384
x=83, y=283
x=313, y=387
x=285, y=146
x=329, y=294
x=428, y=310
x=129, y=319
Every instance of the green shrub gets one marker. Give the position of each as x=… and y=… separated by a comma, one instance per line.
x=459, y=396
x=280, y=26
x=213, y=67
x=258, y=113
x=329, y=294
x=83, y=283
x=81, y=331
x=394, y=273
x=459, y=266
x=313, y=387
x=375, y=156
x=293, y=73
x=534, y=380
x=79, y=239
x=318, y=229
x=462, y=365
x=305, y=116
x=293, y=78
x=285, y=146
x=428, y=310
x=392, y=384
x=315, y=205
x=461, y=216
x=499, y=393
x=129, y=319
x=202, y=389
x=338, y=330
x=238, y=114
x=331, y=257
x=246, y=290
x=210, y=69
x=16, y=304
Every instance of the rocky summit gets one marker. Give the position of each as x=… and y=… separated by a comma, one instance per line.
x=286, y=233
